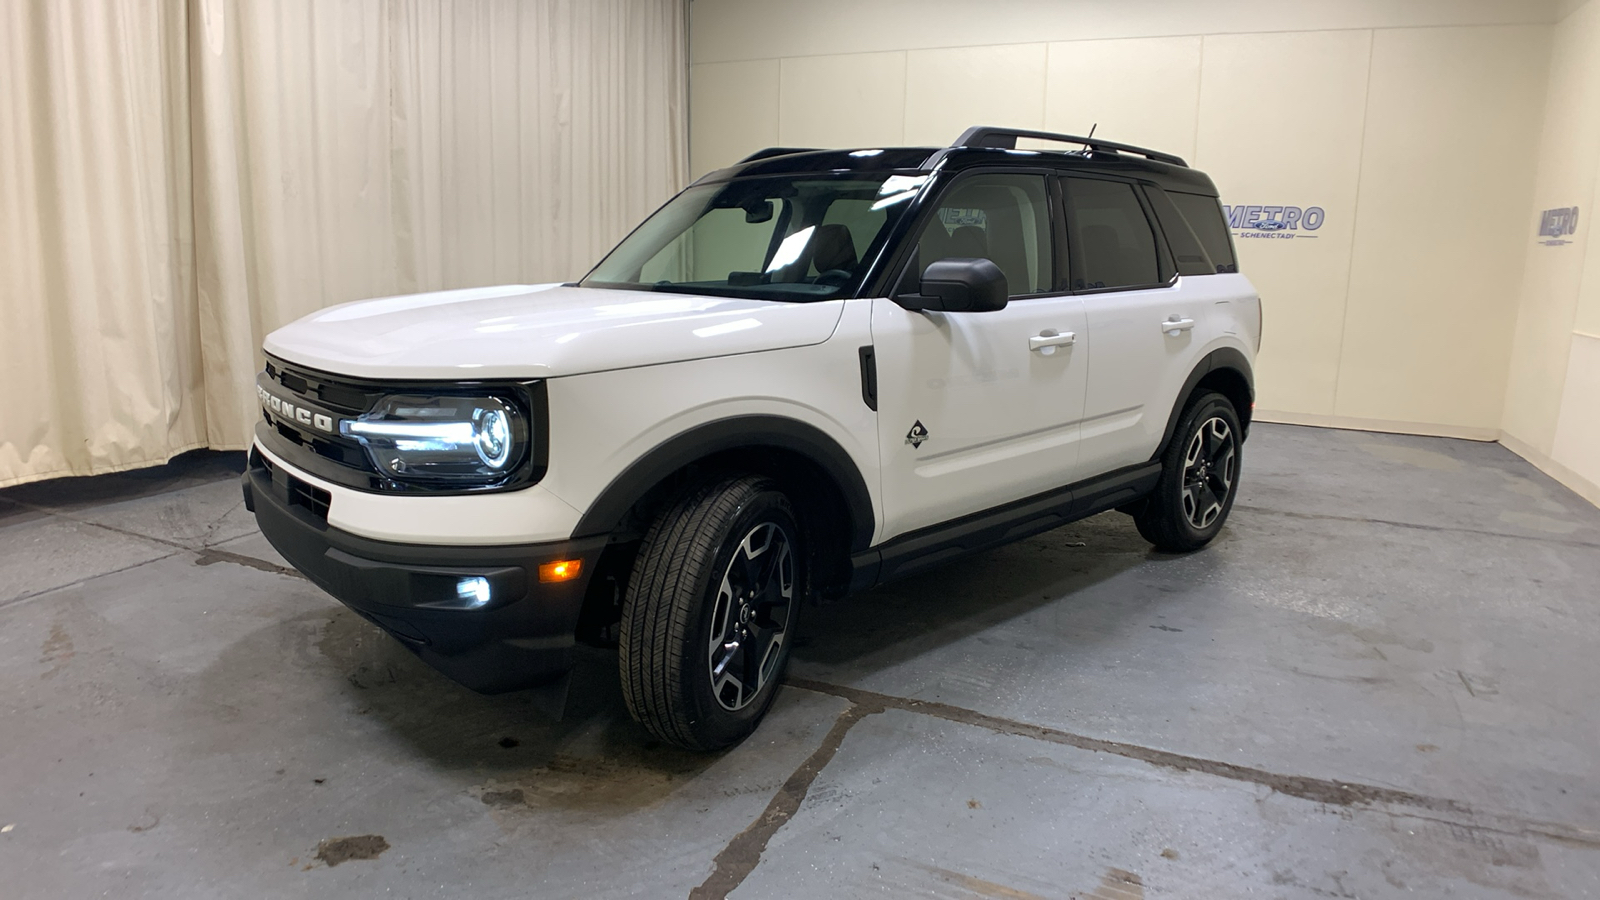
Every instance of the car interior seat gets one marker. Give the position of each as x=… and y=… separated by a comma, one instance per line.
x=832, y=249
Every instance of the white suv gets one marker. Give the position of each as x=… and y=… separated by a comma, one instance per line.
x=805, y=375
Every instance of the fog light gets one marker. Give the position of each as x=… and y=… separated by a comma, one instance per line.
x=565, y=570
x=474, y=592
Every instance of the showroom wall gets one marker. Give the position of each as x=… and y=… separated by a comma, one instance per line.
x=1552, y=413
x=1413, y=127
x=178, y=179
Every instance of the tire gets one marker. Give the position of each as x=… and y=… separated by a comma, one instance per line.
x=1199, y=478
x=722, y=567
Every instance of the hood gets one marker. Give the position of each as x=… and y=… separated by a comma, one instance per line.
x=541, y=331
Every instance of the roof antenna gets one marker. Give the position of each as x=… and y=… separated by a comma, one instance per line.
x=1088, y=147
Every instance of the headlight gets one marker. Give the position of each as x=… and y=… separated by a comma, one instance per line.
x=444, y=440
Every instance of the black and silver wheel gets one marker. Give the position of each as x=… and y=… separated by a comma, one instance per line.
x=1199, y=478
x=1210, y=465
x=709, y=613
x=751, y=615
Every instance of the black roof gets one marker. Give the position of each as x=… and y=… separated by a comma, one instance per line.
x=980, y=146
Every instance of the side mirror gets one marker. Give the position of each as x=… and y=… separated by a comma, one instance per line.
x=959, y=285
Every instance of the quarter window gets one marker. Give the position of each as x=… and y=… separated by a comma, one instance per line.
x=1002, y=218
x=1205, y=219
x=1118, y=246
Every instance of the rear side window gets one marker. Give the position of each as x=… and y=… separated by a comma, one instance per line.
x=1118, y=246
x=1205, y=218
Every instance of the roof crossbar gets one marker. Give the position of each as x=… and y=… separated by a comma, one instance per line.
x=1006, y=139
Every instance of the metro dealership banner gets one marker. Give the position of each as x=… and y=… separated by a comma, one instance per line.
x=1556, y=226
x=1283, y=222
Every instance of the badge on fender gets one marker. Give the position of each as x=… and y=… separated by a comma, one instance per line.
x=917, y=434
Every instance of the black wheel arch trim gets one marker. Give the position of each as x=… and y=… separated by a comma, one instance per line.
x=737, y=433
x=1218, y=359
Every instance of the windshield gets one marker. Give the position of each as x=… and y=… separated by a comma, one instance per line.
x=795, y=237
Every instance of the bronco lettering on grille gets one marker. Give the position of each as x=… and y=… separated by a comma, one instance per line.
x=288, y=410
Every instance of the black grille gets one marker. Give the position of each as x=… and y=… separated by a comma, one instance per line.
x=335, y=394
x=323, y=452
x=313, y=499
x=338, y=396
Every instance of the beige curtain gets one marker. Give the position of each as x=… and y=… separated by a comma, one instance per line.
x=179, y=180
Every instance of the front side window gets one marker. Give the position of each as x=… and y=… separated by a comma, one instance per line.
x=1116, y=243
x=796, y=238
x=1002, y=218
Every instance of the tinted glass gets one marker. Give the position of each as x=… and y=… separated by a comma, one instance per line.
x=1205, y=218
x=860, y=216
x=781, y=238
x=1117, y=244
x=1002, y=218
x=1187, y=254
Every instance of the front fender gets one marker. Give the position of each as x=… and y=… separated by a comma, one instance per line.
x=737, y=432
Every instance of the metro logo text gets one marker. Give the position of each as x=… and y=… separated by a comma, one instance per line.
x=1556, y=224
x=1274, y=221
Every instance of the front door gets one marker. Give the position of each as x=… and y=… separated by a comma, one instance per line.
x=979, y=409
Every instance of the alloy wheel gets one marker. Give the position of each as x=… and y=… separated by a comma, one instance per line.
x=1209, y=467
x=750, y=619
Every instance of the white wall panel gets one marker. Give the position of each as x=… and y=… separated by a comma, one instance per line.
x=948, y=90
x=765, y=29
x=1577, y=437
x=1440, y=223
x=1142, y=91
x=857, y=99
x=1568, y=159
x=1552, y=411
x=733, y=111
x=1281, y=118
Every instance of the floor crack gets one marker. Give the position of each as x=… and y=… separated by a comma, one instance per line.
x=1417, y=526
x=1318, y=790
x=23, y=598
x=742, y=854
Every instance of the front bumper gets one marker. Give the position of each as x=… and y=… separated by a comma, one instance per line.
x=523, y=635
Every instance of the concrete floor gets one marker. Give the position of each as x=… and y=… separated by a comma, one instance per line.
x=1380, y=681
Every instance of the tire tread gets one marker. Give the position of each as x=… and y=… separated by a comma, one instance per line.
x=663, y=599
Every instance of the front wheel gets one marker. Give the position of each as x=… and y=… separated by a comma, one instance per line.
x=709, y=614
x=1199, y=478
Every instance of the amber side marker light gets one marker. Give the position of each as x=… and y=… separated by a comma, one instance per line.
x=564, y=570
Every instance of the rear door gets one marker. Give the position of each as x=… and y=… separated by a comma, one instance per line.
x=979, y=409
x=1145, y=329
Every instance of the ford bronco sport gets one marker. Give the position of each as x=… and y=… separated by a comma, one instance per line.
x=805, y=375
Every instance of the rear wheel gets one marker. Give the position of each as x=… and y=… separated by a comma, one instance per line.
x=709, y=613
x=1199, y=478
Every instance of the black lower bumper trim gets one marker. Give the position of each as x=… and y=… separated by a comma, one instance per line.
x=505, y=632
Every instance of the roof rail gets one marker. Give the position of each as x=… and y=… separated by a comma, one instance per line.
x=1006, y=139
x=770, y=152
